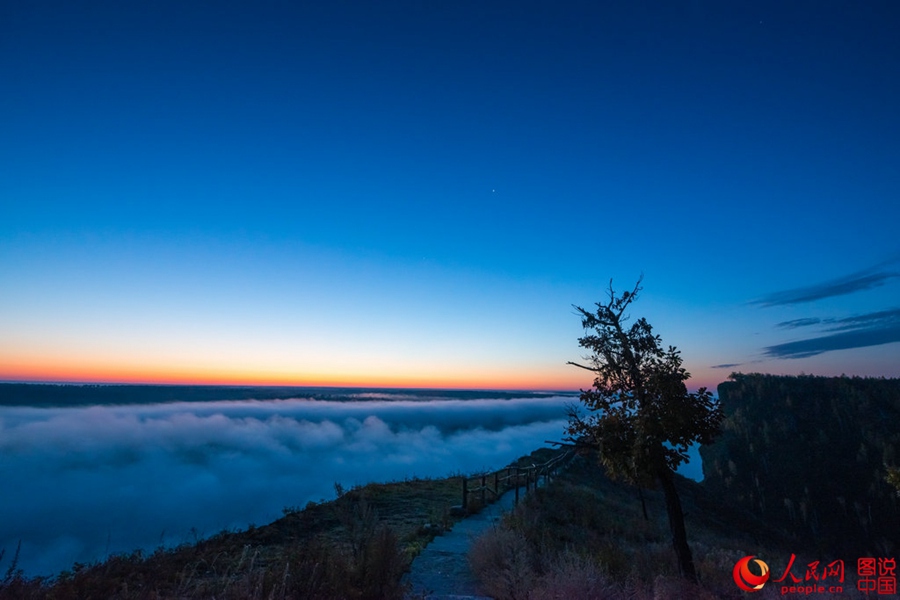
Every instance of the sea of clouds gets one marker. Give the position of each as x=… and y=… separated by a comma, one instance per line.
x=81, y=483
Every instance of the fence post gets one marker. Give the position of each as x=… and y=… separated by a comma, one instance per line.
x=465, y=502
x=483, y=477
x=517, y=486
x=496, y=484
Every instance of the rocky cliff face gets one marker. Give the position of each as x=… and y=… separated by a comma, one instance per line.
x=808, y=454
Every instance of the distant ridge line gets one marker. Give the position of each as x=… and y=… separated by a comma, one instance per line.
x=86, y=394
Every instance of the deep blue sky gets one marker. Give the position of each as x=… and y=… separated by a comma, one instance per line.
x=416, y=192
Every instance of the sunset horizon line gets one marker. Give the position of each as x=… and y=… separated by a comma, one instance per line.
x=269, y=384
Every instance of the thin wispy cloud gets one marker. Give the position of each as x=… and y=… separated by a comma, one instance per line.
x=795, y=323
x=880, y=319
x=725, y=366
x=838, y=333
x=844, y=340
x=858, y=331
x=851, y=284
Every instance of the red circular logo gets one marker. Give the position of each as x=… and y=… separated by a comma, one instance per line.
x=745, y=579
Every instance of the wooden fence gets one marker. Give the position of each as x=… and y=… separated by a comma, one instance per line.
x=492, y=485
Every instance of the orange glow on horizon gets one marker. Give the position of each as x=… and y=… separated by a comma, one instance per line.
x=149, y=376
x=122, y=370
x=551, y=381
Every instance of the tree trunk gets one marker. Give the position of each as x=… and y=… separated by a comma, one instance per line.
x=676, y=525
x=643, y=502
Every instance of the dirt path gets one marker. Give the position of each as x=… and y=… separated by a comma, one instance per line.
x=442, y=571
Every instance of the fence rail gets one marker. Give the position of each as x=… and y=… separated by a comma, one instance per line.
x=512, y=477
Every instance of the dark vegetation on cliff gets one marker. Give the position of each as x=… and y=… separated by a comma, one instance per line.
x=810, y=455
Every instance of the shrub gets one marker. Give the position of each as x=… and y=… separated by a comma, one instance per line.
x=503, y=561
x=574, y=577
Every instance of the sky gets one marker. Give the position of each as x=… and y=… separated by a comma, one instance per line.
x=416, y=193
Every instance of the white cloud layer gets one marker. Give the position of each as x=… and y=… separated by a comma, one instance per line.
x=80, y=483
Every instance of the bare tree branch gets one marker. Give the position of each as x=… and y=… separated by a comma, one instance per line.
x=581, y=366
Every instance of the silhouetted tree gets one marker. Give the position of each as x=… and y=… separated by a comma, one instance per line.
x=641, y=417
